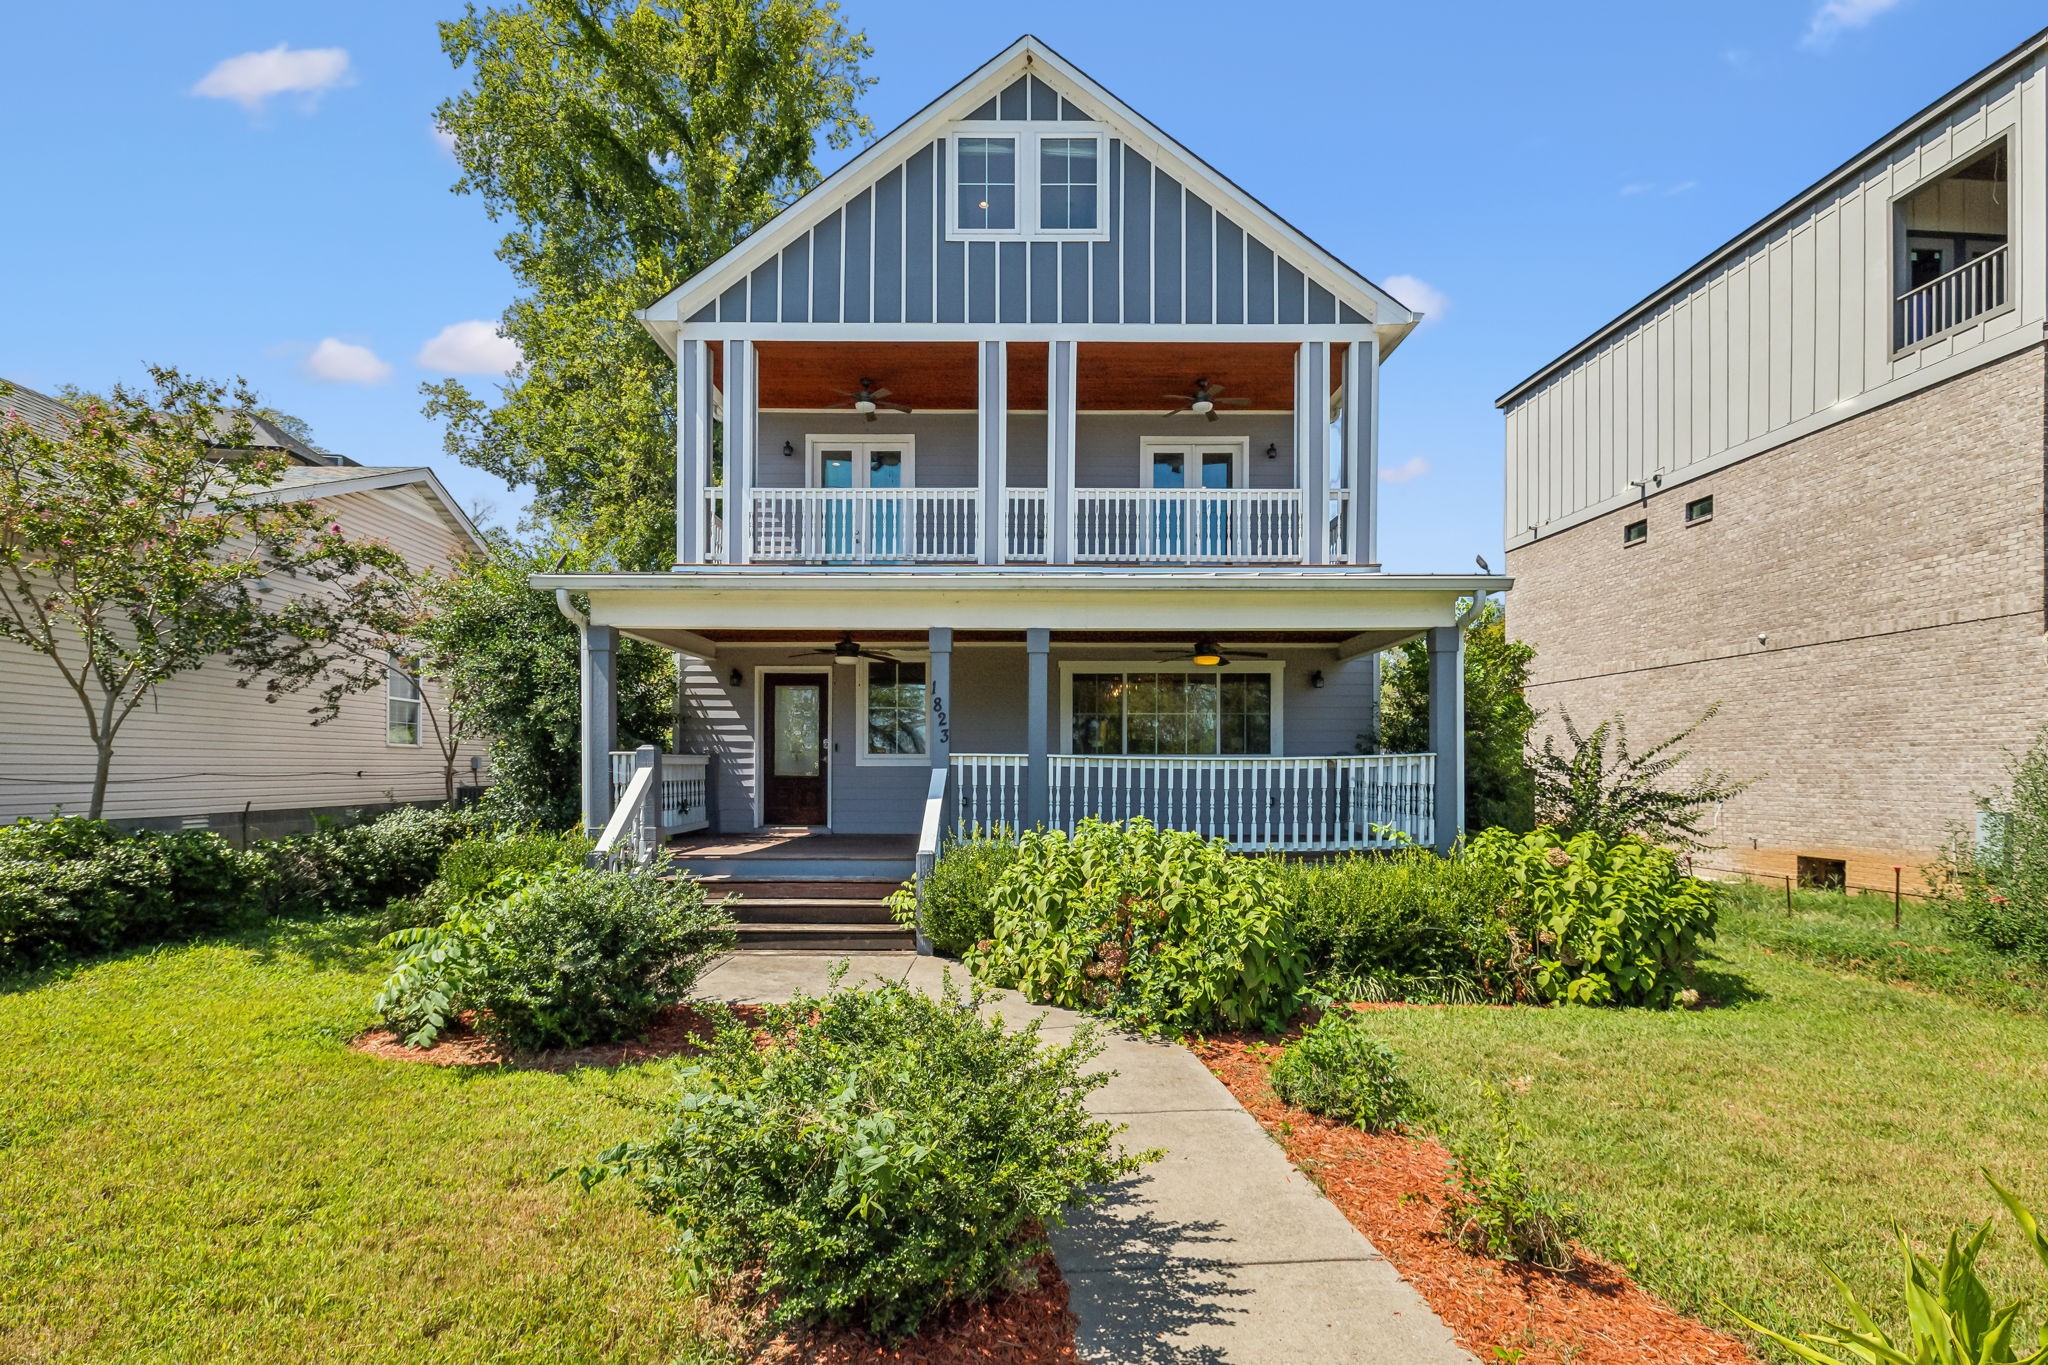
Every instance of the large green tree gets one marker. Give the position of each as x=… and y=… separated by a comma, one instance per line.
x=1499, y=789
x=628, y=143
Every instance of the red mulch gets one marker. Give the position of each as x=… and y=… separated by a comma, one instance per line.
x=675, y=1031
x=1031, y=1327
x=1392, y=1189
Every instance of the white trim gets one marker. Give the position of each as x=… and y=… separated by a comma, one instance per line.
x=884, y=332
x=861, y=757
x=1239, y=448
x=371, y=479
x=815, y=446
x=395, y=672
x=1274, y=668
x=755, y=736
x=1025, y=137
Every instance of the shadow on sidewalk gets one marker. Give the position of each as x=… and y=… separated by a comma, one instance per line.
x=1136, y=1281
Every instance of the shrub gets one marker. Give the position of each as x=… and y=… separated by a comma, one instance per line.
x=1339, y=1070
x=1612, y=922
x=1163, y=929
x=475, y=869
x=885, y=1156
x=1622, y=794
x=1409, y=926
x=1951, y=1315
x=1495, y=1208
x=2003, y=886
x=958, y=907
x=351, y=870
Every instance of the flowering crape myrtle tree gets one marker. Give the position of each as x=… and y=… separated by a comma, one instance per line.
x=135, y=541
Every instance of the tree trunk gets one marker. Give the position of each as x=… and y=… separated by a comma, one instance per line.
x=99, y=779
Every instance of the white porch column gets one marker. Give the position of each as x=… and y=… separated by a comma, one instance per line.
x=995, y=441
x=693, y=451
x=1312, y=440
x=1447, y=730
x=939, y=743
x=600, y=710
x=1361, y=449
x=1061, y=358
x=1037, y=727
x=742, y=433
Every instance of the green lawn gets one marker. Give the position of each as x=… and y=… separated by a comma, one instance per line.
x=194, y=1167
x=1841, y=1083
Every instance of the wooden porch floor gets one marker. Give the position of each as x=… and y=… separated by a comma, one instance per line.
x=793, y=843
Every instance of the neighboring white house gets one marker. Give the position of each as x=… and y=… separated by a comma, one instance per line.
x=206, y=753
x=1048, y=490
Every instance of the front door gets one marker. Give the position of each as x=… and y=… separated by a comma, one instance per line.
x=794, y=716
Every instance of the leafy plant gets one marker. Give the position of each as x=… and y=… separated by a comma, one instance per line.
x=1163, y=929
x=1498, y=717
x=1337, y=1068
x=1610, y=922
x=870, y=1157
x=1410, y=925
x=431, y=980
x=1950, y=1315
x=1495, y=1208
x=958, y=910
x=2001, y=886
x=1602, y=788
x=473, y=871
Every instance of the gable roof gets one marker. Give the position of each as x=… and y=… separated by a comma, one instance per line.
x=974, y=97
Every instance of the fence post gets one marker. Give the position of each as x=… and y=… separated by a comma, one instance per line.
x=1897, y=869
x=1788, y=895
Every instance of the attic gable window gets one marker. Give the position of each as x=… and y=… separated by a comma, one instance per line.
x=1022, y=181
x=1067, y=183
x=987, y=168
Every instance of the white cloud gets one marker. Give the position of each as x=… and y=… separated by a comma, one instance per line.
x=469, y=348
x=1636, y=187
x=1682, y=187
x=1419, y=295
x=335, y=361
x=1408, y=471
x=1837, y=16
x=254, y=77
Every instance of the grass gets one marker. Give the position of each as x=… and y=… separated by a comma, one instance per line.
x=1726, y=1155
x=193, y=1167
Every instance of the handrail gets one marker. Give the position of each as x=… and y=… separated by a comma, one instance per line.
x=928, y=845
x=1953, y=299
x=625, y=816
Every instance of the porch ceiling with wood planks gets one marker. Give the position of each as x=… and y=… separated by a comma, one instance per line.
x=1113, y=376
x=691, y=642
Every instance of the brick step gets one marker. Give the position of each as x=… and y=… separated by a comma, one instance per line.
x=828, y=938
x=791, y=910
x=802, y=888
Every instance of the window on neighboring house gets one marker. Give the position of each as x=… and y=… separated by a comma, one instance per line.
x=895, y=700
x=1699, y=509
x=1143, y=712
x=1949, y=240
x=1635, y=533
x=987, y=171
x=1067, y=183
x=402, y=702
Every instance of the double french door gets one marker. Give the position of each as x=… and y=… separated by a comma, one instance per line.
x=1193, y=527
x=864, y=529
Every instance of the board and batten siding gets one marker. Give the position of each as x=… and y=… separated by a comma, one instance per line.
x=1780, y=336
x=203, y=746
x=1171, y=257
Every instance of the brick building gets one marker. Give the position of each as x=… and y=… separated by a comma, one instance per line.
x=1805, y=479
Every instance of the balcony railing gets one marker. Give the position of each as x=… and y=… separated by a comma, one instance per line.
x=1949, y=301
x=1188, y=525
x=866, y=525
x=1347, y=801
x=683, y=781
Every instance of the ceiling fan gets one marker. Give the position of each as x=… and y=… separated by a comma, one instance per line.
x=1204, y=401
x=1208, y=654
x=846, y=652
x=868, y=401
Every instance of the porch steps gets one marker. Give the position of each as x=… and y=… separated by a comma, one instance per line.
x=820, y=913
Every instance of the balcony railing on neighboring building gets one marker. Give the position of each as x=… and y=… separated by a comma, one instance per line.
x=1346, y=801
x=1952, y=300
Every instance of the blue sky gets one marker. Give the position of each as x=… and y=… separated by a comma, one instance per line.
x=1524, y=172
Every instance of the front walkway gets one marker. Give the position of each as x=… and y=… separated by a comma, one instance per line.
x=1219, y=1252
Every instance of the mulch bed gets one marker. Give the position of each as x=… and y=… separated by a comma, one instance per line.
x=1392, y=1189
x=677, y=1030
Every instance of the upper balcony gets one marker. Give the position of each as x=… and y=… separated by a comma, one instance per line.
x=1033, y=453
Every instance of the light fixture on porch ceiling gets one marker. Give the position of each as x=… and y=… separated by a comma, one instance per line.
x=868, y=401
x=1208, y=654
x=1204, y=401
x=845, y=651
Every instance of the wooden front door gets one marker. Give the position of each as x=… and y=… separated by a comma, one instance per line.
x=795, y=715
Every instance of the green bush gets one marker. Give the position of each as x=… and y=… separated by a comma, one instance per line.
x=1495, y=1209
x=1162, y=929
x=474, y=869
x=2003, y=886
x=958, y=907
x=888, y=1155
x=1409, y=926
x=569, y=956
x=1340, y=1070
x=359, y=868
x=1951, y=1316
x=1613, y=923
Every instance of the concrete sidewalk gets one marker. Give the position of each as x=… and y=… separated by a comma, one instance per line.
x=1219, y=1252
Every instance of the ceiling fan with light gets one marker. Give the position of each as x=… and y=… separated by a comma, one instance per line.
x=845, y=651
x=868, y=401
x=1204, y=401
x=1207, y=653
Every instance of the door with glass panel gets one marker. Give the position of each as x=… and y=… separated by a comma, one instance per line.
x=864, y=530
x=795, y=739
x=1195, y=527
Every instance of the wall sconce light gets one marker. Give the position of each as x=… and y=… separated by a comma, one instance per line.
x=1272, y=451
x=1315, y=679
x=734, y=679
x=788, y=450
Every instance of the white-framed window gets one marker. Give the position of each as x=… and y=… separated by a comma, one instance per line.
x=401, y=702
x=861, y=461
x=1170, y=707
x=893, y=704
x=1179, y=462
x=1023, y=180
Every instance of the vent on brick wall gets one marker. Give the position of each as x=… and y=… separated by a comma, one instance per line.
x=1823, y=874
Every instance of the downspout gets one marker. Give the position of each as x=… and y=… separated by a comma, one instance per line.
x=568, y=609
